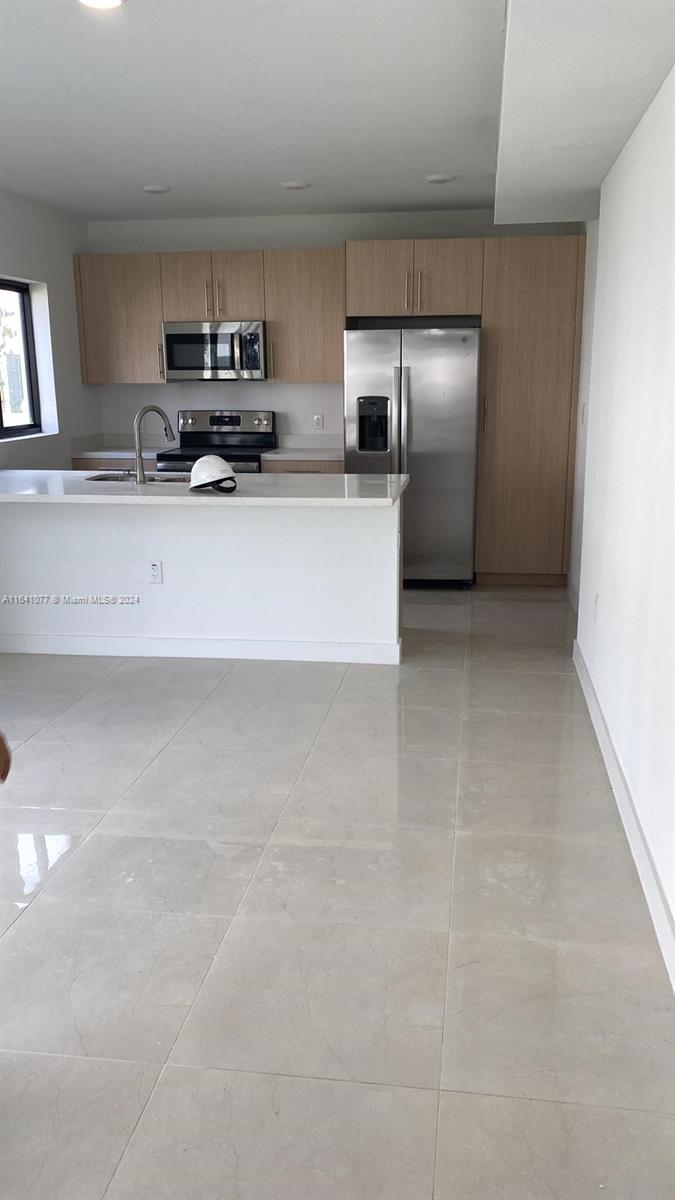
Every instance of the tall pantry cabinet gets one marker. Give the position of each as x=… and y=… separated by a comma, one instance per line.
x=531, y=321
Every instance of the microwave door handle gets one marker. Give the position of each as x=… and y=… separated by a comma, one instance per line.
x=237, y=351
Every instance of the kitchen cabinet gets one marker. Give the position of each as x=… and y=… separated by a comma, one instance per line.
x=532, y=293
x=447, y=277
x=187, y=286
x=304, y=310
x=379, y=278
x=120, y=317
x=425, y=277
x=224, y=285
x=302, y=466
x=238, y=285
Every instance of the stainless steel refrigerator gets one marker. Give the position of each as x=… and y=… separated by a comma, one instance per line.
x=411, y=404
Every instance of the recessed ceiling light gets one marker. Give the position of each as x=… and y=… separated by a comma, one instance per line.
x=155, y=188
x=295, y=185
x=440, y=178
x=102, y=3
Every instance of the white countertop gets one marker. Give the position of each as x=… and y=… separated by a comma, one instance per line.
x=273, y=490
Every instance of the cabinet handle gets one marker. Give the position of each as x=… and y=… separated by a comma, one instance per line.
x=208, y=304
x=219, y=306
x=419, y=290
x=160, y=360
x=270, y=350
x=405, y=290
x=485, y=412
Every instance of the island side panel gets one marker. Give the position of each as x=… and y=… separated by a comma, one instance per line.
x=314, y=584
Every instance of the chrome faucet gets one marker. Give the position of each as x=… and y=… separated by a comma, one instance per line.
x=168, y=431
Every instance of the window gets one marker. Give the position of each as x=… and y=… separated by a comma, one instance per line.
x=19, y=401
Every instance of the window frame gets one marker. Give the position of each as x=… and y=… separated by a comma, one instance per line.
x=7, y=432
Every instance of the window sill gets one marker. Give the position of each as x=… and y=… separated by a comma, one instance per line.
x=26, y=437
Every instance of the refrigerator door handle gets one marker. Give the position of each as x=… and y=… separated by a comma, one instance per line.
x=395, y=446
x=405, y=396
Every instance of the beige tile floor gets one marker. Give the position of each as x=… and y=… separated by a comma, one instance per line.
x=277, y=931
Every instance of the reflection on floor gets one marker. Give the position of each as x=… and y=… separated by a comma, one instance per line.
x=278, y=931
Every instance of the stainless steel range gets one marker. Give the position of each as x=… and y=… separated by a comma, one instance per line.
x=238, y=435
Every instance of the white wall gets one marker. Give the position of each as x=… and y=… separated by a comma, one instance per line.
x=37, y=243
x=318, y=229
x=574, y=574
x=294, y=404
x=626, y=638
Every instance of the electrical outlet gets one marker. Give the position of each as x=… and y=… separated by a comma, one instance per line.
x=156, y=572
x=317, y=420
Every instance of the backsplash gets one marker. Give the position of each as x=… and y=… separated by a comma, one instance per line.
x=294, y=404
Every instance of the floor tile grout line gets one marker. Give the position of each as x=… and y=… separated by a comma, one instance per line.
x=105, y=813
x=105, y=678
x=362, y=1083
x=68, y=906
x=83, y=696
x=654, y=1112
x=80, y=696
x=134, y=781
x=447, y=957
x=165, y=1064
x=59, y=867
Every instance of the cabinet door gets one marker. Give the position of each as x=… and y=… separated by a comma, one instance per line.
x=448, y=276
x=379, y=279
x=121, y=317
x=527, y=371
x=239, y=293
x=305, y=310
x=187, y=286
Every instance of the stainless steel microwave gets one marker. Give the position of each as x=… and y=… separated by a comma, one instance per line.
x=214, y=350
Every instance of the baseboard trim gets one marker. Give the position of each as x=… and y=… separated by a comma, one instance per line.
x=662, y=918
x=573, y=593
x=496, y=579
x=148, y=647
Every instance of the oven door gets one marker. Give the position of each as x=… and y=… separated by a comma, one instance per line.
x=213, y=350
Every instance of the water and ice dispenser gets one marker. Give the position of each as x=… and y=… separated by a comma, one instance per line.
x=373, y=424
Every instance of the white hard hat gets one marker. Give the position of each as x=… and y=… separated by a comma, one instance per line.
x=212, y=471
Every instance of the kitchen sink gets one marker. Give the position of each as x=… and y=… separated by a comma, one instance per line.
x=130, y=477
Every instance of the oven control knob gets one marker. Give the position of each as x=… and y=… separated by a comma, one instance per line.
x=257, y=421
x=190, y=421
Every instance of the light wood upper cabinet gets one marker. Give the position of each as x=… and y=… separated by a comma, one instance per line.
x=120, y=314
x=238, y=285
x=187, y=286
x=305, y=310
x=427, y=277
x=448, y=276
x=531, y=308
x=379, y=278
x=226, y=285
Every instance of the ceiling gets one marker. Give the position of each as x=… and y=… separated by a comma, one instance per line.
x=224, y=100
x=578, y=75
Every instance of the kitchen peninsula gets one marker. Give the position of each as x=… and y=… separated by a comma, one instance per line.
x=291, y=566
